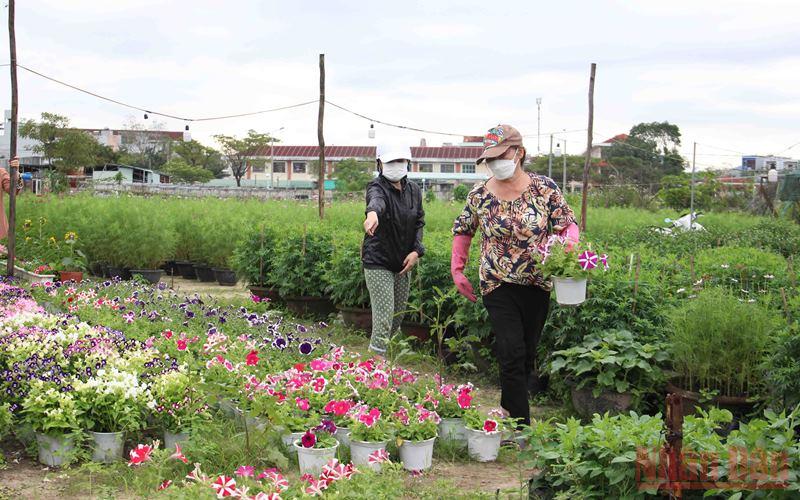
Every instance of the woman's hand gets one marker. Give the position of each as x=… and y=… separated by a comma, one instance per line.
x=409, y=262
x=371, y=224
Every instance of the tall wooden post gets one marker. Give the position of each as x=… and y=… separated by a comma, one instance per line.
x=588, y=162
x=320, y=137
x=12, y=171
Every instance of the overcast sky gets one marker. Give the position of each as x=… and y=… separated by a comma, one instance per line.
x=727, y=72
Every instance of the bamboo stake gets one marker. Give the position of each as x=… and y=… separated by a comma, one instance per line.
x=12, y=171
x=588, y=161
x=321, y=138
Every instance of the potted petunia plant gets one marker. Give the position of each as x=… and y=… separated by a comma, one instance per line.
x=568, y=265
x=55, y=418
x=179, y=407
x=112, y=403
x=316, y=447
x=339, y=411
x=369, y=433
x=450, y=403
x=484, y=434
x=416, y=429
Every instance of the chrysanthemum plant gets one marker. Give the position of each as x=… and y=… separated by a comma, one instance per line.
x=557, y=258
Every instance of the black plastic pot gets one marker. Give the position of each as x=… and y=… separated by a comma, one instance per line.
x=186, y=269
x=96, y=268
x=418, y=330
x=170, y=268
x=586, y=404
x=357, y=317
x=204, y=273
x=225, y=277
x=265, y=292
x=314, y=307
x=118, y=272
x=152, y=276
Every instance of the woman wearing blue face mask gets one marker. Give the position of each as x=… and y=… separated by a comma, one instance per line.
x=392, y=243
x=515, y=211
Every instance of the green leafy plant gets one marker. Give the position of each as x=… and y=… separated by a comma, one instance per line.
x=252, y=257
x=345, y=275
x=50, y=411
x=179, y=407
x=492, y=423
x=415, y=424
x=557, y=260
x=611, y=360
x=719, y=342
x=112, y=401
x=380, y=431
x=299, y=261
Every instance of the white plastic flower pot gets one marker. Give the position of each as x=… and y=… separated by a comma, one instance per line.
x=311, y=460
x=361, y=450
x=107, y=446
x=417, y=455
x=342, y=435
x=54, y=451
x=483, y=447
x=289, y=439
x=452, y=429
x=570, y=291
x=173, y=438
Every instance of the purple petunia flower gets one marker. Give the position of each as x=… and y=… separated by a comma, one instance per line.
x=306, y=348
x=279, y=343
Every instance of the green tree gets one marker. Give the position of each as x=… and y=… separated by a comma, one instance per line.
x=676, y=191
x=574, y=168
x=144, y=147
x=64, y=148
x=352, y=175
x=460, y=193
x=655, y=145
x=237, y=151
x=200, y=155
x=182, y=172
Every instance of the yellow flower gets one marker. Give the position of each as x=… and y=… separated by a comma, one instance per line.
x=27, y=239
x=42, y=221
x=70, y=236
x=53, y=240
x=27, y=224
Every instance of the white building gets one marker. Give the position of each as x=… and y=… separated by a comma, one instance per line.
x=758, y=163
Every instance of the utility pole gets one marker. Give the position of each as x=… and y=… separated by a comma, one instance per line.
x=538, y=125
x=588, y=161
x=691, y=198
x=550, y=159
x=12, y=171
x=564, y=181
x=321, y=138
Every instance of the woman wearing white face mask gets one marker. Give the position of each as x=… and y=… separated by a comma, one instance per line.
x=392, y=243
x=515, y=211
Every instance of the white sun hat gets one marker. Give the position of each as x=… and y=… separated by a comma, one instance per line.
x=391, y=152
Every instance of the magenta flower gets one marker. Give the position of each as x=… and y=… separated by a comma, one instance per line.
x=308, y=440
x=245, y=471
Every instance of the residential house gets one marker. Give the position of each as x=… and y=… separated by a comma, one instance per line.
x=598, y=148
x=126, y=174
x=759, y=163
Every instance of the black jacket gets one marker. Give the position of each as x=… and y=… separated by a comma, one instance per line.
x=400, y=222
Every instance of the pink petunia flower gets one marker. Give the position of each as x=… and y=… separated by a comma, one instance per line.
x=166, y=484
x=378, y=457
x=224, y=486
x=302, y=403
x=278, y=481
x=252, y=358
x=308, y=440
x=178, y=455
x=490, y=426
x=140, y=454
x=245, y=471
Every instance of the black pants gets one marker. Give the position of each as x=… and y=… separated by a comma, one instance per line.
x=517, y=314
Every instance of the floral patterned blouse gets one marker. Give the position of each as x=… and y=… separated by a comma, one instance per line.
x=512, y=230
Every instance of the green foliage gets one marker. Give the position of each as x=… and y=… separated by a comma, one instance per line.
x=66, y=148
x=49, y=411
x=563, y=263
x=149, y=238
x=179, y=405
x=414, y=429
x=201, y=156
x=430, y=196
x=782, y=367
x=460, y=193
x=676, y=191
x=300, y=259
x=112, y=401
x=182, y=172
x=252, y=257
x=237, y=150
x=377, y=433
x=719, y=342
x=353, y=175
x=611, y=360
x=344, y=276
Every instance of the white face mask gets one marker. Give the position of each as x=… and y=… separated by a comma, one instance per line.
x=503, y=169
x=395, y=170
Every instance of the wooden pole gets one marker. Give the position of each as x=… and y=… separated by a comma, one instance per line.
x=321, y=138
x=674, y=444
x=588, y=162
x=12, y=171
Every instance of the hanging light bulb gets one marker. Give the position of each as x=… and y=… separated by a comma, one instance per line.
x=371, y=131
x=145, y=116
x=187, y=136
x=557, y=151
